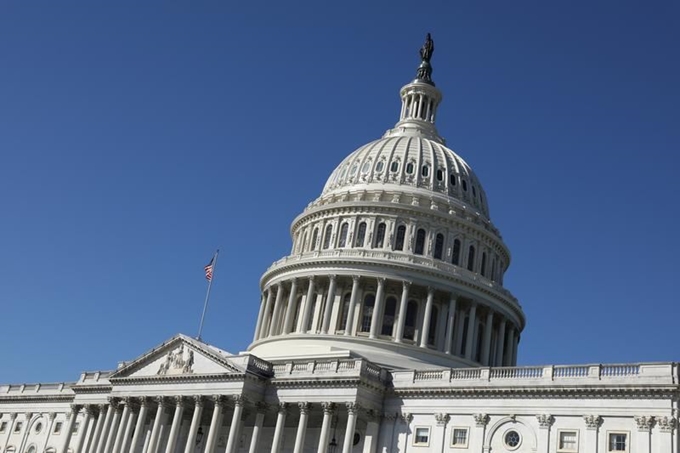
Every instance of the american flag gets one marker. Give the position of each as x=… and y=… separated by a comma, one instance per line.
x=209, y=269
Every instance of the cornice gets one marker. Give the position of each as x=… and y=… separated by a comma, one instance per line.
x=36, y=398
x=340, y=382
x=181, y=378
x=629, y=392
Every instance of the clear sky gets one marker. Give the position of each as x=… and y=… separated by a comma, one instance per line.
x=134, y=140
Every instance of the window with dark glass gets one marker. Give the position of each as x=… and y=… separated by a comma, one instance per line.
x=439, y=246
x=327, y=237
x=420, y=242
x=410, y=321
x=483, y=266
x=315, y=235
x=345, y=311
x=379, y=166
x=367, y=313
x=379, y=236
x=455, y=259
x=401, y=235
x=343, y=234
x=493, y=269
x=409, y=168
x=425, y=171
x=464, y=182
x=440, y=174
x=390, y=314
x=452, y=179
x=394, y=166
x=361, y=235
x=474, y=191
x=471, y=258
x=432, y=334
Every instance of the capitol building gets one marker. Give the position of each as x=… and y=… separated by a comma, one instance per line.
x=386, y=329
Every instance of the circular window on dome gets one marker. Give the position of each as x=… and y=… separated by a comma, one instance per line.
x=379, y=166
x=512, y=439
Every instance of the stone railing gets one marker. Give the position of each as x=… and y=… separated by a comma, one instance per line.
x=329, y=368
x=450, y=269
x=649, y=373
x=36, y=389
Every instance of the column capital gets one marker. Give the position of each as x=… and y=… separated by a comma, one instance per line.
x=644, y=422
x=239, y=400
x=406, y=417
x=328, y=407
x=162, y=401
x=356, y=278
x=481, y=420
x=381, y=280
x=113, y=401
x=90, y=409
x=180, y=401
x=144, y=401
x=430, y=291
x=305, y=407
x=406, y=284
x=442, y=419
x=219, y=400
x=311, y=278
x=199, y=400
x=545, y=420
x=127, y=401
x=75, y=408
x=666, y=424
x=353, y=407
x=282, y=408
x=592, y=421
x=332, y=277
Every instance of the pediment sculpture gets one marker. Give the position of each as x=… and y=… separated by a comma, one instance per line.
x=178, y=361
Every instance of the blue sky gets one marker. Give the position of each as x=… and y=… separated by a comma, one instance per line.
x=134, y=140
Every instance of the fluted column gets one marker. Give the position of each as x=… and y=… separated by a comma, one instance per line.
x=118, y=439
x=328, y=310
x=280, y=426
x=376, y=318
x=92, y=447
x=309, y=302
x=486, y=345
x=352, y=411
x=260, y=315
x=426, y=318
x=277, y=309
x=195, y=424
x=131, y=421
x=302, y=427
x=403, y=308
x=101, y=442
x=349, y=326
x=215, y=424
x=469, y=341
x=139, y=427
x=156, y=429
x=500, y=346
x=450, y=324
x=324, y=437
x=507, y=355
x=257, y=427
x=111, y=435
x=89, y=410
x=290, y=309
x=239, y=402
x=264, y=329
x=69, y=427
x=174, y=428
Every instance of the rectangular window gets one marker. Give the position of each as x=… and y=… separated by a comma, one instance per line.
x=567, y=441
x=18, y=426
x=421, y=437
x=618, y=442
x=57, y=427
x=459, y=437
x=3, y=427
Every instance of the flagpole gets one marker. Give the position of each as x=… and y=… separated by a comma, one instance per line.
x=207, y=294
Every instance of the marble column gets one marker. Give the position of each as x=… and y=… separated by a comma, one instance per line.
x=89, y=411
x=309, y=304
x=328, y=309
x=302, y=427
x=176, y=421
x=129, y=426
x=593, y=423
x=121, y=426
x=257, y=427
x=239, y=402
x=644, y=435
x=290, y=309
x=260, y=315
x=156, y=429
x=324, y=437
x=266, y=320
x=663, y=439
x=113, y=430
x=280, y=427
x=439, y=432
x=195, y=424
x=486, y=344
x=101, y=442
x=352, y=412
x=403, y=308
x=349, y=327
x=139, y=427
x=376, y=318
x=450, y=324
x=426, y=318
x=68, y=432
x=545, y=421
x=277, y=310
x=478, y=433
x=215, y=424
x=500, y=346
x=470, y=340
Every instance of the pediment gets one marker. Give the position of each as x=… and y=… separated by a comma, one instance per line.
x=179, y=356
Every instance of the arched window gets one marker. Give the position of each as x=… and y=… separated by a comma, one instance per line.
x=464, y=182
x=420, y=242
x=367, y=313
x=304, y=242
x=312, y=314
x=440, y=174
x=425, y=171
x=345, y=311
x=379, y=236
x=399, y=241
x=455, y=259
x=432, y=334
x=327, y=236
x=439, y=246
x=483, y=270
x=389, y=315
x=315, y=237
x=379, y=166
x=452, y=179
x=361, y=235
x=471, y=258
x=410, y=321
x=343, y=234
x=394, y=166
x=409, y=168
x=296, y=318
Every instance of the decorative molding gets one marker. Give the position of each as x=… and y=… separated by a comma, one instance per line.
x=592, y=421
x=545, y=420
x=239, y=400
x=199, y=400
x=305, y=407
x=282, y=408
x=328, y=408
x=90, y=410
x=481, y=420
x=666, y=424
x=219, y=400
x=406, y=417
x=644, y=422
x=353, y=408
x=442, y=419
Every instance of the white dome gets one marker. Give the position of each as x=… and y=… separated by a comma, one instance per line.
x=410, y=161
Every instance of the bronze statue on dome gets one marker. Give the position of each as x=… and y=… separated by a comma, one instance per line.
x=424, y=73
x=428, y=49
